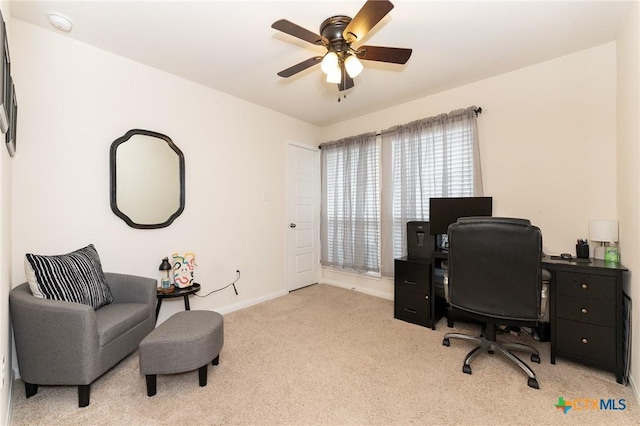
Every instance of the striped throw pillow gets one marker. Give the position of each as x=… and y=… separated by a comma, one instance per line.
x=73, y=277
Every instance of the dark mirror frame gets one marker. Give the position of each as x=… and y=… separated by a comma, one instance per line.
x=113, y=189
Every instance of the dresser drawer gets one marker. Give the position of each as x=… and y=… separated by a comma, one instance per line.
x=592, y=342
x=590, y=311
x=586, y=285
x=412, y=276
x=412, y=307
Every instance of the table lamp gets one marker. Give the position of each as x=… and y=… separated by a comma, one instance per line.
x=604, y=232
x=165, y=267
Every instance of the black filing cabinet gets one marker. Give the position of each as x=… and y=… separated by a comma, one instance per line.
x=587, y=314
x=413, y=291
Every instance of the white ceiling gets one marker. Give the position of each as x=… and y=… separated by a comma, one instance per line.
x=230, y=45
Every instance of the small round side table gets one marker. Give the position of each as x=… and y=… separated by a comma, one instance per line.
x=178, y=292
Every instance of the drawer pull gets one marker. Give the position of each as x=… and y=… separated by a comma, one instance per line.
x=411, y=311
x=410, y=282
x=585, y=341
x=584, y=286
x=583, y=310
x=427, y=297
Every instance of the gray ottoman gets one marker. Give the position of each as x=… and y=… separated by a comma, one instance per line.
x=186, y=341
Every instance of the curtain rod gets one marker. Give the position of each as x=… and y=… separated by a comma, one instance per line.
x=478, y=111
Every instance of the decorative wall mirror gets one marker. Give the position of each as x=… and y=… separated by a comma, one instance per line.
x=147, y=179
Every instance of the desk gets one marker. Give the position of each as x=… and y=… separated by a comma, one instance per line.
x=587, y=316
x=587, y=313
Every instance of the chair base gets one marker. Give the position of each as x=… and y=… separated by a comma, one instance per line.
x=485, y=345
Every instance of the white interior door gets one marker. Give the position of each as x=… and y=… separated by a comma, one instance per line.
x=303, y=212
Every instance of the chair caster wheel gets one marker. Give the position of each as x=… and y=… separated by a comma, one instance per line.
x=466, y=369
x=535, y=358
x=533, y=383
x=445, y=342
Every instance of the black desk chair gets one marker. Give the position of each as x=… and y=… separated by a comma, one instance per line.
x=495, y=276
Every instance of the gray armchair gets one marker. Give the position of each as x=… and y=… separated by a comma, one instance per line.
x=64, y=343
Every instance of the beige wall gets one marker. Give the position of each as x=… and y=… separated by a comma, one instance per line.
x=80, y=100
x=547, y=141
x=548, y=136
x=5, y=259
x=75, y=100
x=628, y=126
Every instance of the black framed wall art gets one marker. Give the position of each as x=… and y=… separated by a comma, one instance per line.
x=5, y=69
x=8, y=103
x=10, y=136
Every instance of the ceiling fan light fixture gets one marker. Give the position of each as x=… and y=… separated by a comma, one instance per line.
x=341, y=63
x=329, y=62
x=353, y=66
x=334, y=75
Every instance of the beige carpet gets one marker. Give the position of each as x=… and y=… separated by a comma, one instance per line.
x=325, y=355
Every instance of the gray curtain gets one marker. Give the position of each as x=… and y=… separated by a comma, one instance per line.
x=434, y=157
x=350, y=218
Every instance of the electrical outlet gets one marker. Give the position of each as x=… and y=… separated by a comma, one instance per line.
x=2, y=373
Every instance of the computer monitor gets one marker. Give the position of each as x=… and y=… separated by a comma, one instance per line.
x=445, y=211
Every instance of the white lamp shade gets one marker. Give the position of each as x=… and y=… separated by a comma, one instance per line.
x=353, y=66
x=329, y=62
x=603, y=230
x=334, y=75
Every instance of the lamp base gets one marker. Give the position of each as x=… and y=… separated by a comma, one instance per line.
x=163, y=290
x=611, y=254
x=598, y=252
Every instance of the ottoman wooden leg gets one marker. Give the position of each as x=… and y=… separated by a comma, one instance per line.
x=151, y=384
x=84, y=392
x=30, y=389
x=202, y=375
x=216, y=360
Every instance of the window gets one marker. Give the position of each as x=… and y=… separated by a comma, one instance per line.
x=365, y=210
x=434, y=157
x=350, y=228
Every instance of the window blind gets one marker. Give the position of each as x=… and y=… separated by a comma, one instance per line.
x=350, y=222
x=434, y=157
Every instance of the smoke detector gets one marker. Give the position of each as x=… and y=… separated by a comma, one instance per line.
x=60, y=21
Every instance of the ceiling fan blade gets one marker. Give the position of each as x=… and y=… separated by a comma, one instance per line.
x=290, y=28
x=371, y=13
x=300, y=67
x=394, y=55
x=346, y=83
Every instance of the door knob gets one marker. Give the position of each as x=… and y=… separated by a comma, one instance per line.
x=292, y=225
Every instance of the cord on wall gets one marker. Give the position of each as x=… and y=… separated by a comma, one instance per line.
x=233, y=283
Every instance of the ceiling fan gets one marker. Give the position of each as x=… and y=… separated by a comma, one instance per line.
x=342, y=63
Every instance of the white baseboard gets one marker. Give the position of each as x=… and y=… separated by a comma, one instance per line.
x=10, y=398
x=251, y=302
x=364, y=290
x=635, y=389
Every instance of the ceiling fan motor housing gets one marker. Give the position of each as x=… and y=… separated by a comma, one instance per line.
x=337, y=40
x=332, y=29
